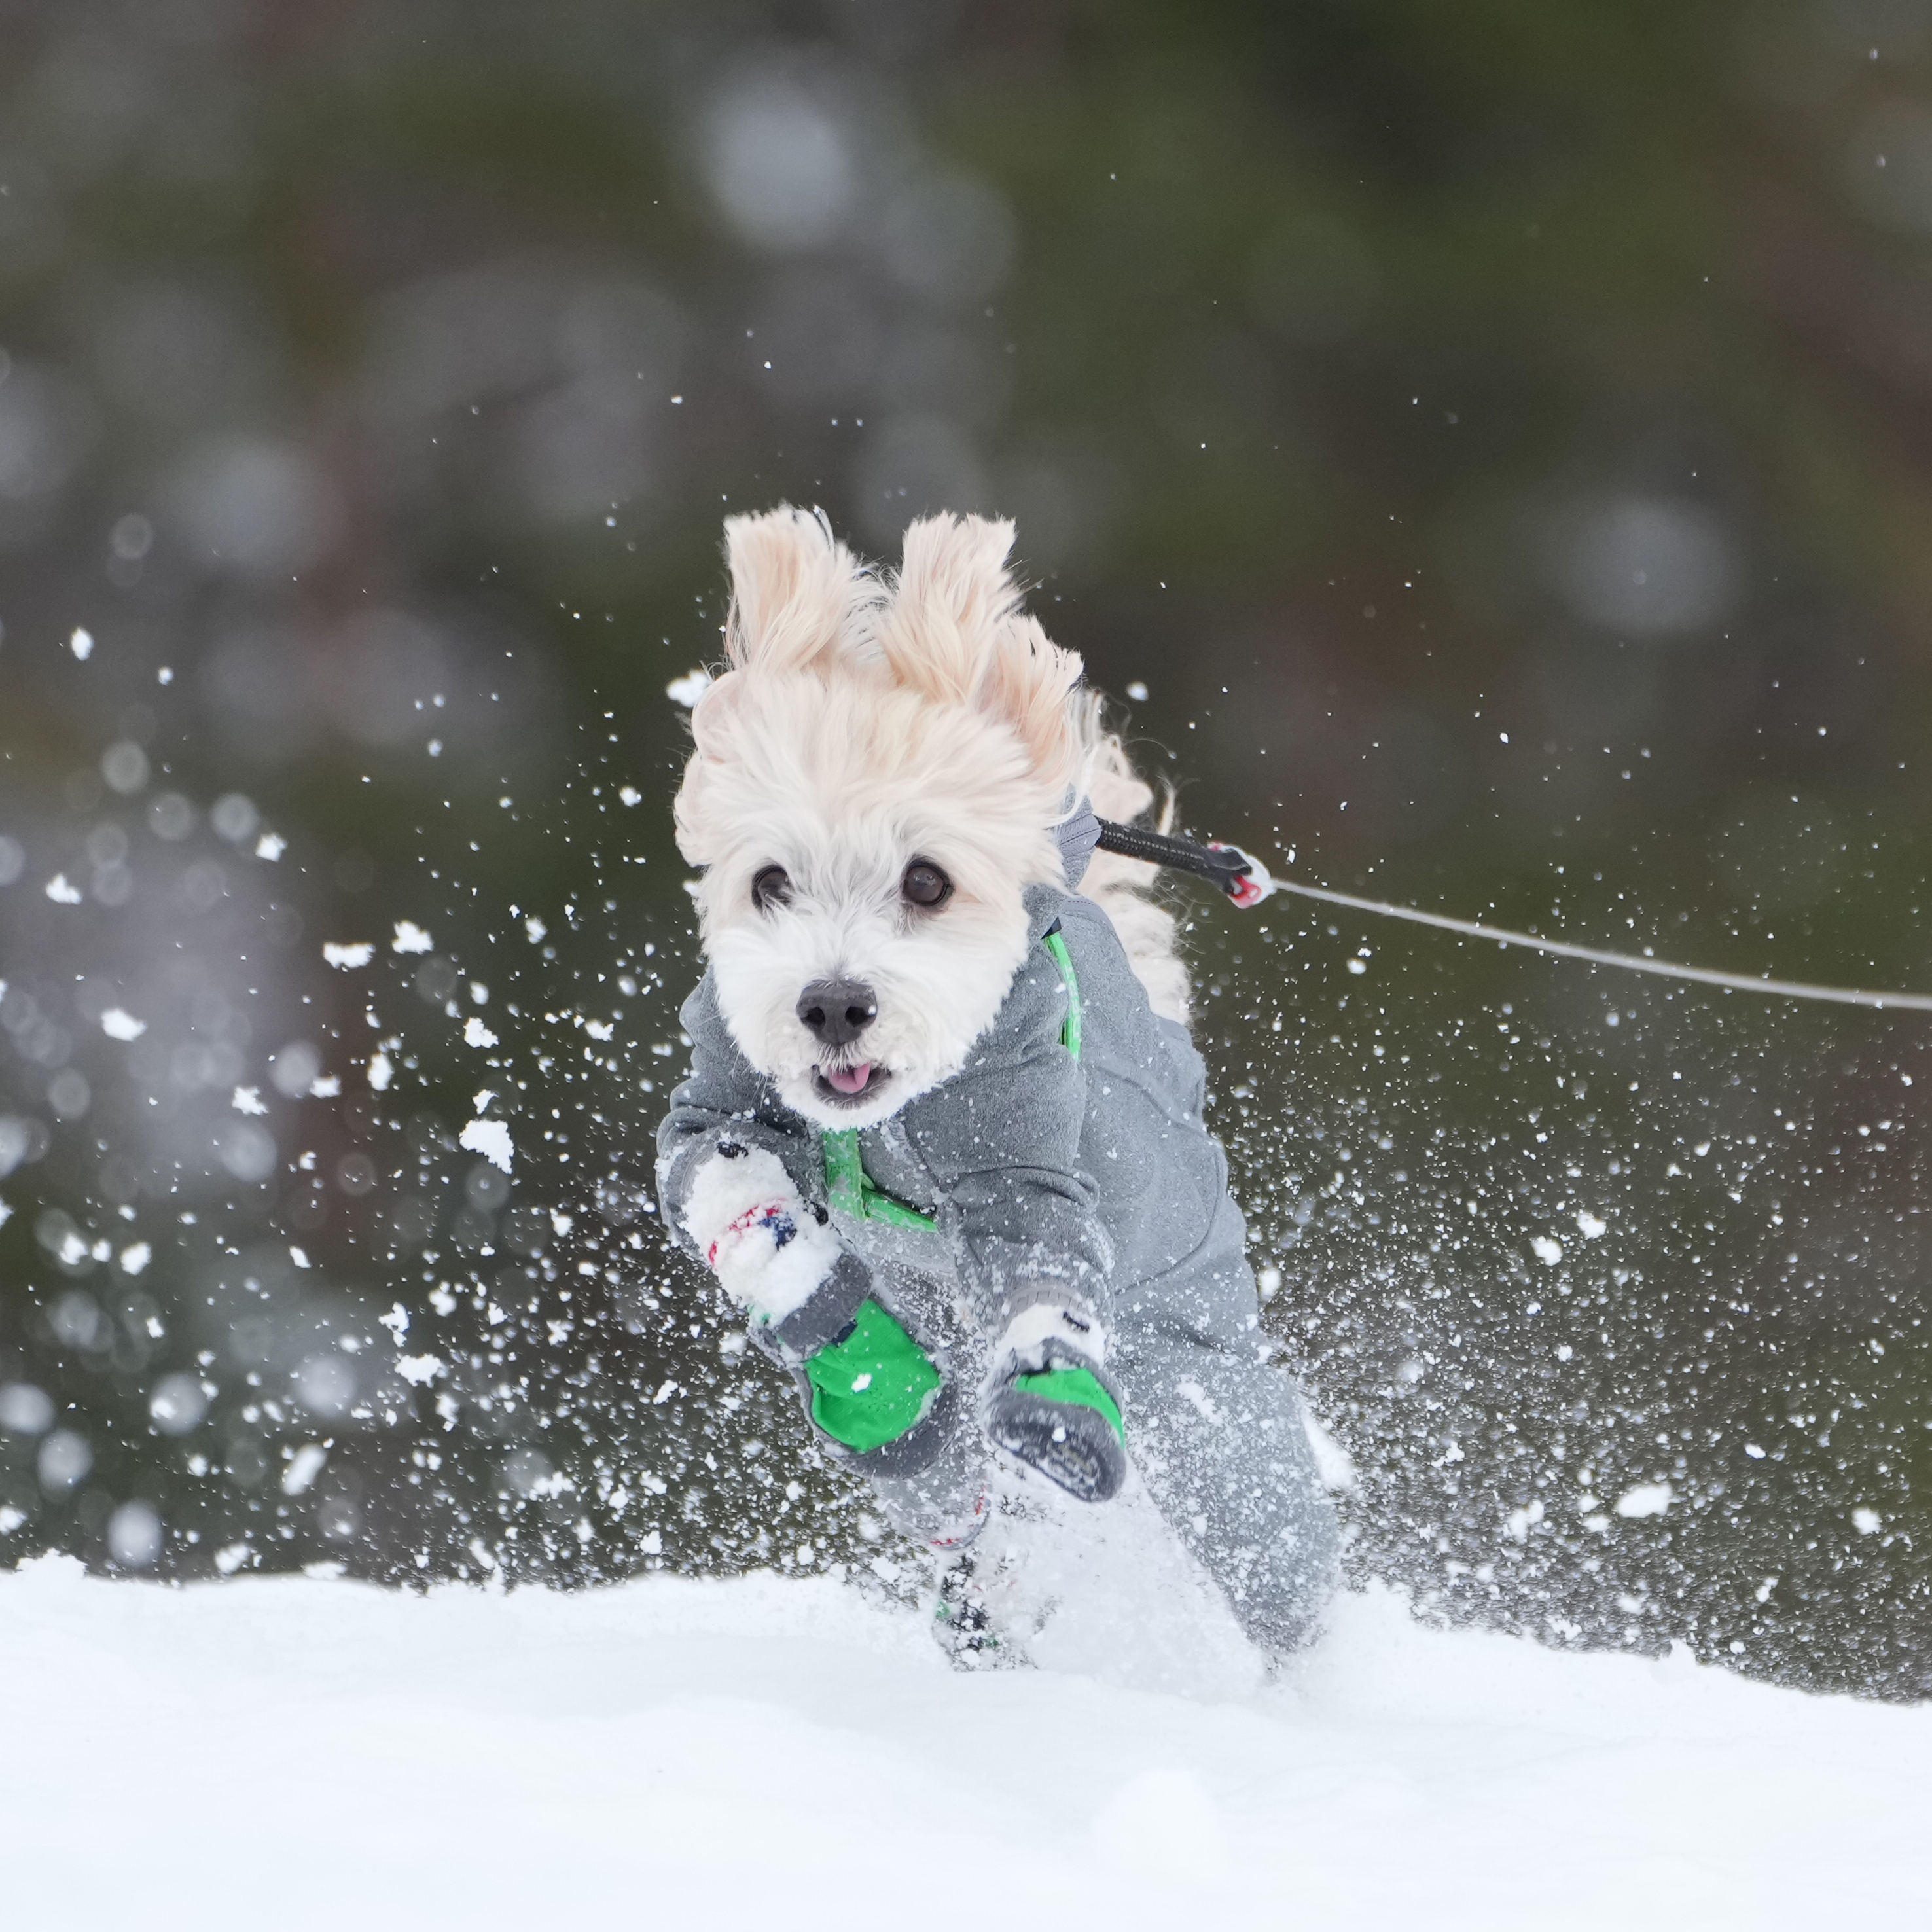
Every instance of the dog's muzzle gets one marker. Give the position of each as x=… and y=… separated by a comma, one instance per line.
x=836, y=1012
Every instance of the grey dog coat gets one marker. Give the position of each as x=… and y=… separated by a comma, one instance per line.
x=1090, y=1181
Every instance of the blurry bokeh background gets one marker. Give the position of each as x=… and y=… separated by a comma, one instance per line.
x=1493, y=446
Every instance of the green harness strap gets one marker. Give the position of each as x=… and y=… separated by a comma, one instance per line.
x=1055, y=943
x=852, y=1191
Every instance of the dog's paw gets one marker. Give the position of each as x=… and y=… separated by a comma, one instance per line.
x=1045, y=1327
x=768, y=1249
x=979, y=1613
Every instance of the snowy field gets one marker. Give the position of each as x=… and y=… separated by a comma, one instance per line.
x=766, y=1752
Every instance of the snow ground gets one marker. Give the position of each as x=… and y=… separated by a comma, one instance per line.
x=764, y=1750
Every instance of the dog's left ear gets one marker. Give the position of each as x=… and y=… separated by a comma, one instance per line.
x=953, y=631
x=797, y=593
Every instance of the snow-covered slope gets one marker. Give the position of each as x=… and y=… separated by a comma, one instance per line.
x=766, y=1752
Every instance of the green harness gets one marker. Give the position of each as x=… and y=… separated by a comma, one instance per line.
x=875, y=1382
x=852, y=1191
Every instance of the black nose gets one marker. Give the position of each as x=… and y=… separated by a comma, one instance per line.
x=837, y=1011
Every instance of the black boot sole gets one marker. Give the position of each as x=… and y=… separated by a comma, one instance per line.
x=1070, y=1445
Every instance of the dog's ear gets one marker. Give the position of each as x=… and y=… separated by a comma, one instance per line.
x=797, y=594
x=953, y=631
x=950, y=600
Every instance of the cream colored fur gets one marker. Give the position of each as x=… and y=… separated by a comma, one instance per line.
x=862, y=723
x=1124, y=888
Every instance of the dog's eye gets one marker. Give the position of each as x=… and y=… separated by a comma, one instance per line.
x=772, y=887
x=925, y=885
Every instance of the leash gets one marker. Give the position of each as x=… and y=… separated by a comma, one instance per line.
x=1246, y=880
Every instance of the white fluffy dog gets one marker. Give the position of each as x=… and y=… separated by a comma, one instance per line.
x=942, y=1137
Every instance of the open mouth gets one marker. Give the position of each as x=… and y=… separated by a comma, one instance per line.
x=848, y=1086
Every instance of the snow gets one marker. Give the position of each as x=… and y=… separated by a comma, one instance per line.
x=305, y=1465
x=1646, y=1499
x=177, y=1405
x=491, y=1139
x=25, y=1409
x=774, y=1751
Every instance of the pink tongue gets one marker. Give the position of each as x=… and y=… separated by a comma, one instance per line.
x=850, y=1079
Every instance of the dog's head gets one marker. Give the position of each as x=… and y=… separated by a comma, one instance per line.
x=877, y=778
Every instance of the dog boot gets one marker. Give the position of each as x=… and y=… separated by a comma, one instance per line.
x=1050, y=1405
x=978, y=1617
x=877, y=1395
x=960, y=1620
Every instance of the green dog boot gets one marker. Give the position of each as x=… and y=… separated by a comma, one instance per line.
x=1051, y=1407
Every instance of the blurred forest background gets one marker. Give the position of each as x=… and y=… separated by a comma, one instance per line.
x=1492, y=445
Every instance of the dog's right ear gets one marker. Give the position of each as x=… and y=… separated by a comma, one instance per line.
x=797, y=593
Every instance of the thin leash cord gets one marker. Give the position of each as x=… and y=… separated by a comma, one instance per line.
x=1629, y=962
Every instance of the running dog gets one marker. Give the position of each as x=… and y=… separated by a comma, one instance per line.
x=942, y=1135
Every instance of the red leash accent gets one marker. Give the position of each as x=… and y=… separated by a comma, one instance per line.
x=1246, y=889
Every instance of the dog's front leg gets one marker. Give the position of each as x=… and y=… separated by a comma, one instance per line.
x=876, y=1394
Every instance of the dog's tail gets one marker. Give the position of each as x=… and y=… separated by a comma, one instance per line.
x=1124, y=888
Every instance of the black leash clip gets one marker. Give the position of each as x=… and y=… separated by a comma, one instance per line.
x=1239, y=874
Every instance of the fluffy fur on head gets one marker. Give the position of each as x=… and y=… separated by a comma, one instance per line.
x=864, y=726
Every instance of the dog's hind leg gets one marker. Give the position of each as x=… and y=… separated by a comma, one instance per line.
x=1222, y=1446
x=1218, y=1437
